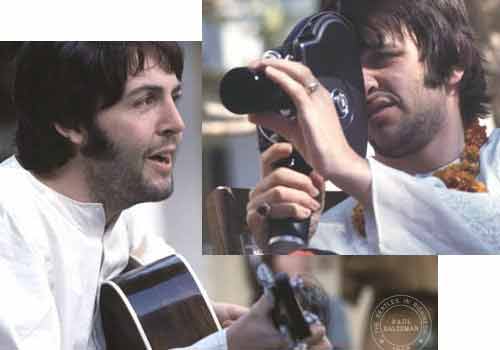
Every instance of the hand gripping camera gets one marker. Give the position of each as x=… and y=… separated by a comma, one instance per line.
x=327, y=43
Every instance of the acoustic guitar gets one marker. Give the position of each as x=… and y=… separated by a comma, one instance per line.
x=158, y=306
x=163, y=306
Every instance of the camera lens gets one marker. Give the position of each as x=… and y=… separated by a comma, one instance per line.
x=245, y=91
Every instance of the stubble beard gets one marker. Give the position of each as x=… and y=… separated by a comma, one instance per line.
x=116, y=177
x=414, y=133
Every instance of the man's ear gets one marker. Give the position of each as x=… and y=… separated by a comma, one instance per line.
x=75, y=135
x=455, y=78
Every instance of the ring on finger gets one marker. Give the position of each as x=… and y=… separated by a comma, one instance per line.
x=312, y=86
x=264, y=209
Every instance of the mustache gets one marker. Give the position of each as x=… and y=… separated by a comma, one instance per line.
x=170, y=142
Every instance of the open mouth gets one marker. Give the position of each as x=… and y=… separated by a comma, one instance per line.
x=379, y=101
x=162, y=161
x=379, y=105
x=160, y=158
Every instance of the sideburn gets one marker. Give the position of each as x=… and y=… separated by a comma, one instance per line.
x=98, y=145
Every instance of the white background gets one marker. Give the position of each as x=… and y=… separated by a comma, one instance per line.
x=469, y=302
x=101, y=20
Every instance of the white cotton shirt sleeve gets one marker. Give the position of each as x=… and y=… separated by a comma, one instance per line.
x=413, y=215
x=215, y=341
x=28, y=315
x=150, y=248
x=145, y=245
x=419, y=215
x=336, y=232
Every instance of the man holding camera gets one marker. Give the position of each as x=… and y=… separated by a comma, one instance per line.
x=98, y=132
x=432, y=186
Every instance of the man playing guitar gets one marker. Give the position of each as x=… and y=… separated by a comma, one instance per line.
x=98, y=130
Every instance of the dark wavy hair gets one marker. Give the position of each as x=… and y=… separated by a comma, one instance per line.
x=68, y=83
x=443, y=35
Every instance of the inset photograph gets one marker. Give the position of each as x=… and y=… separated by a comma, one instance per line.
x=100, y=178
x=369, y=303
x=351, y=127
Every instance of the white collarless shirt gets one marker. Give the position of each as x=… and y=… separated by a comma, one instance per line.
x=419, y=215
x=54, y=254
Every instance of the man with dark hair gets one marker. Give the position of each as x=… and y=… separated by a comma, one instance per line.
x=432, y=186
x=98, y=131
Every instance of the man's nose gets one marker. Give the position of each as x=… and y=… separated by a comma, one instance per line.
x=170, y=119
x=371, y=82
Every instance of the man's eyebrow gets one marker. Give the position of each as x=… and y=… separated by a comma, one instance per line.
x=390, y=50
x=139, y=89
x=154, y=88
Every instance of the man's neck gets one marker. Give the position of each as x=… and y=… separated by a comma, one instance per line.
x=69, y=180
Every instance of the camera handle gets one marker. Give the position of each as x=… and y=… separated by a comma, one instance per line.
x=285, y=235
x=288, y=235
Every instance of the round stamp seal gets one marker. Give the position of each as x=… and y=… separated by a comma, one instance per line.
x=400, y=322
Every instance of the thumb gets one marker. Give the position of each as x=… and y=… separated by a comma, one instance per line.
x=265, y=304
x=236, y=311
x=227, y=323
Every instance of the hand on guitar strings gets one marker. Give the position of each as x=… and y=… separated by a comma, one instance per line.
x=318, y=339
x=229, y=313
x=255, y=330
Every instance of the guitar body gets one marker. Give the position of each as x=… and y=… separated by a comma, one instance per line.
x=159, y=306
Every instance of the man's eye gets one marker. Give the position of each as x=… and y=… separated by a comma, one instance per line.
x=176, y=97
x=378, y=59
x=145, y=101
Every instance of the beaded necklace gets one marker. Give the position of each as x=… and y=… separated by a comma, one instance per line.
x=460, y=176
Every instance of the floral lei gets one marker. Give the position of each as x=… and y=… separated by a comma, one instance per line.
x=460, y=176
